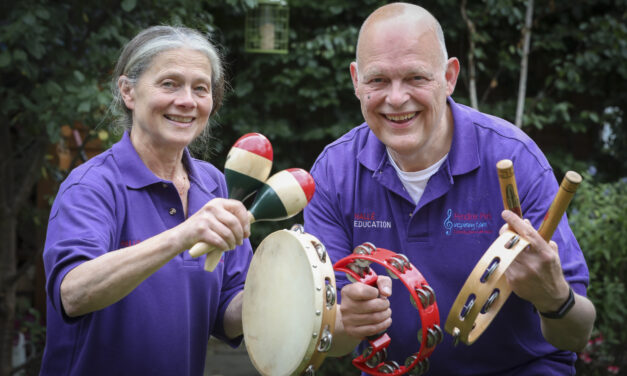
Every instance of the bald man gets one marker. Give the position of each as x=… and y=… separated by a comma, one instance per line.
x=419, y=178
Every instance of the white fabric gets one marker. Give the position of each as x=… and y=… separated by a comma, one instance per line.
x=415, y=182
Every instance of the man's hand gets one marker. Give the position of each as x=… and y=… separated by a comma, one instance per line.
x=365, y=309
x=536, y=273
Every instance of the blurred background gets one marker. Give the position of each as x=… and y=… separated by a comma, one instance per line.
x=288, y=68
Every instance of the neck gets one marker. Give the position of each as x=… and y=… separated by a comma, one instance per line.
x=436, y=148
x=166, y=164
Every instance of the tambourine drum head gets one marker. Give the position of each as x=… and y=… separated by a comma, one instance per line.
x=278, y=310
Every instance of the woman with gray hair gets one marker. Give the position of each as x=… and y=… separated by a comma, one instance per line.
x=124, y=296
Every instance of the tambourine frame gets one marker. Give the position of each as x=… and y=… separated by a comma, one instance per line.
x=259, y=341
x=422, y=295
x=485, y=291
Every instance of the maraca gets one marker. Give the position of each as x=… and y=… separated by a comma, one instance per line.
x=247, y=165
x=284, y=195
x=246, y=168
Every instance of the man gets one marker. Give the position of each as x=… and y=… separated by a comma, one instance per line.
x=419, y=178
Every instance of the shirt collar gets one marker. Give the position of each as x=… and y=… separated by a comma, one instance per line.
x=137, y=175
x=462, y=158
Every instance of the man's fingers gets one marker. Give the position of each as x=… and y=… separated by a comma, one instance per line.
x=384, y=283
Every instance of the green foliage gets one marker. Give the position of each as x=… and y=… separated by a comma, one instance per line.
x=599, y=221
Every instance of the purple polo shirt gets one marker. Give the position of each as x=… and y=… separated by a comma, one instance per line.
x=359, y=198
x=162, y=326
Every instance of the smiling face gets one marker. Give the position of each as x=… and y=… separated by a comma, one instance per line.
x=171, y=101
x=402, y=82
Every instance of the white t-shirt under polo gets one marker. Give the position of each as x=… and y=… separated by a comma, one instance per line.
x=416, y=181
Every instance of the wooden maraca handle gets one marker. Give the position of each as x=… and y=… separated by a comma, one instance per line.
x=213, y=255
x=567, y=190
x=509, y=191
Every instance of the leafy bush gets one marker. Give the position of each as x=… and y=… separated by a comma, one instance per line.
x=599, y=221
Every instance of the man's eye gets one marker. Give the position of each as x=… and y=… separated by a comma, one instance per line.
x=419, y=78
x=376, y=80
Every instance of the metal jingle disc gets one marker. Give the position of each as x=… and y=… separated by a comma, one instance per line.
x=391, y=274
x=330, y=295
x=397, y=263
x=456, y=334
x=490, y=270
x=406, y=262
x=321, y=250
x=379, y=357
x=371, y=247
x=467, y=307
x=389, y=367
x=310, y=371
x=410, y=359
x=431, y=338
x=490, y=301
x=298, y=228
x=423, y=366
x=425, y=294
x=439, y=334
x=325, y=341
x=357, y=269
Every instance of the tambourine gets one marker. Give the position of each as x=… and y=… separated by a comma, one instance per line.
x=289, y=304
x=486, y=289
x=373, y=359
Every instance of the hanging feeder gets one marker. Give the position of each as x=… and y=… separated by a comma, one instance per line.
x=267, y=27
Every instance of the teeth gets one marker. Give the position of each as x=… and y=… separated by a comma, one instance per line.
x=180, y=119
x=400, y=117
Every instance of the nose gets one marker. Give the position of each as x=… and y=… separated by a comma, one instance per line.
x=185, y=98
x=397, y=94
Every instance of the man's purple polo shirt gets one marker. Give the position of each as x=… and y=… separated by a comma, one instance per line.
x=162, y=327
x=359, y=198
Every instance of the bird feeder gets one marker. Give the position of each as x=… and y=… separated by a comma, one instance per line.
x=267, y=27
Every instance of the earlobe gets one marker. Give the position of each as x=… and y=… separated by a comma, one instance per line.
x=126, y=91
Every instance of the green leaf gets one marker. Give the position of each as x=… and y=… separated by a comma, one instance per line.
x=129, y=5
x=80, y=77
x=5, y=59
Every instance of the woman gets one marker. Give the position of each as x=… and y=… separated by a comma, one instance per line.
x=124, y=296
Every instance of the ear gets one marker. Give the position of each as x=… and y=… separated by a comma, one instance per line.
x=354, y=76
x=451, y=74
x=127, y=92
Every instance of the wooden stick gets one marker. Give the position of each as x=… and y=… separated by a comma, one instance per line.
x=509, y=191
x=567, y=190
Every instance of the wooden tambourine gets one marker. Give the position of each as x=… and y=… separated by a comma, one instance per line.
x=486, y=289
x=373, y=360
x=289, y=304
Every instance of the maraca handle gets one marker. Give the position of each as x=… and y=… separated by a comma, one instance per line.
x=213, y=255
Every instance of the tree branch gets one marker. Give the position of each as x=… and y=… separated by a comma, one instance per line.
x=522, y=86
x=472, y=76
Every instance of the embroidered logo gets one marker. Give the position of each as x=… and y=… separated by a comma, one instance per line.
x=368, y=220
x=128, y=243
x=466, y=223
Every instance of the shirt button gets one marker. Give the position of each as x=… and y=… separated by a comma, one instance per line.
x=172, y=211
x=410, y=215
x=164, y=185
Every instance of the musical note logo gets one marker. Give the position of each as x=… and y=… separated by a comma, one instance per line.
x=448, y=225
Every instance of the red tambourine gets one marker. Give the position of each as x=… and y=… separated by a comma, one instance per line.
x=373, y=359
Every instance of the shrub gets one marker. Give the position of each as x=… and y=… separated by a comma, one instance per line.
x=599, y=220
